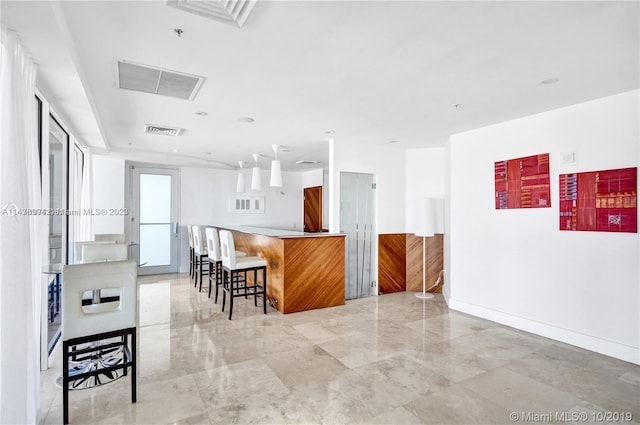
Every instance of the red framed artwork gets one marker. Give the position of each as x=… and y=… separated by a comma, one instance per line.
x=601, y=201
x=522, y=182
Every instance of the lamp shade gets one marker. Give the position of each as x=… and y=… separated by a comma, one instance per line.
x=426, y=218
x=240, y=187
x=276, y=173
x=256, y=181
x=276, y=170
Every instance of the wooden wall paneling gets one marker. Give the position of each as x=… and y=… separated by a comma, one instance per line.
x=414, y=262
x=435, y=262
x=304, y=258
x=392, y=263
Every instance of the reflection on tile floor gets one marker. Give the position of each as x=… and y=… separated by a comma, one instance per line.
x=393, y=359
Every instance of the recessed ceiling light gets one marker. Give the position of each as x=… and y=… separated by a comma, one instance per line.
x=550, y=81
x=175, y=150
x=393, y=141
x=246, y=120
x=202, y=113
x=329, y=132
x=206, y=153
x=285, y=149
x=458, y=105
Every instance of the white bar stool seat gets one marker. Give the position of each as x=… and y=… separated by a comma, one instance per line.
x=200, y=254
x=215, y=259
x=232, y=266
x=191, y=253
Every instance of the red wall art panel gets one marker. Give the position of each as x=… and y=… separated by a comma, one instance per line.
x=601, y=201
x=523, y=182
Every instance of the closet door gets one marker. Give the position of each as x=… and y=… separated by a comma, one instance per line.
x=357, y=217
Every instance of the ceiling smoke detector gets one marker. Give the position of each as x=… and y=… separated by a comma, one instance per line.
x=150, y=79
x=549, y=81
x=162, y=130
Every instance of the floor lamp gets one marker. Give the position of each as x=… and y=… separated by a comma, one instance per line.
x=425, y=226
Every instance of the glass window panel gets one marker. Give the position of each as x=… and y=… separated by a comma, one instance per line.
x=57, y=140
x=155, y=244
x=155, y=198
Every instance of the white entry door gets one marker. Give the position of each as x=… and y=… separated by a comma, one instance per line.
x=154, y=218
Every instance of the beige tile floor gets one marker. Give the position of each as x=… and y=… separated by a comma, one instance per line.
x=392, y=359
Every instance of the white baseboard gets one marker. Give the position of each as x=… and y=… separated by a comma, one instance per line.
x=588, y=342
x=445, y=294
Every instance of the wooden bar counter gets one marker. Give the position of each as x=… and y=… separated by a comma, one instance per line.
x=305, y=270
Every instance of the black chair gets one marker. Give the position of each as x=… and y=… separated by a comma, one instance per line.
x=98, y=340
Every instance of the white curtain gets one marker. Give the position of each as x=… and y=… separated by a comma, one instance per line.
x=21, y=237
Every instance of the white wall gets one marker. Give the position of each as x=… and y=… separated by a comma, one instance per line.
x=312, y=178
x=448, y=261
x=205, y=195
x=108, y=193
x=325, y=199
x=515, y=266
x=387, y=165
x=425, y=174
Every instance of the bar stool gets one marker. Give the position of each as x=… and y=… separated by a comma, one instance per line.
x=191, y=255
x=215, y=259
x=200, y=254
x=232, y=266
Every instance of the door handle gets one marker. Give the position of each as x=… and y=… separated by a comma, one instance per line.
x=174, y=227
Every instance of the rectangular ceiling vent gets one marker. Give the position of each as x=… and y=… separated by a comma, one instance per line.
x=150, y=79
x=232, y=12
x=306, y=162
x=162, y=130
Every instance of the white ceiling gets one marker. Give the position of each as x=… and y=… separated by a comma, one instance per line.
x=371, y=71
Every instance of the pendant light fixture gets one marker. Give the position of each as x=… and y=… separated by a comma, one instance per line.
x=276, y=171
x=240, y=185
x=256, y=183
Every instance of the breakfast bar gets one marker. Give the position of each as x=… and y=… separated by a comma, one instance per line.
x=305, y=270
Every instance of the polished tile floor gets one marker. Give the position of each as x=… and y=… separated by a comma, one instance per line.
x=392, y=359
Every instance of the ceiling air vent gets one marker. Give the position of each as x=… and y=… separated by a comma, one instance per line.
x=232, y=12
x=162, y=130
x=149, y=79
x=306, y=162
